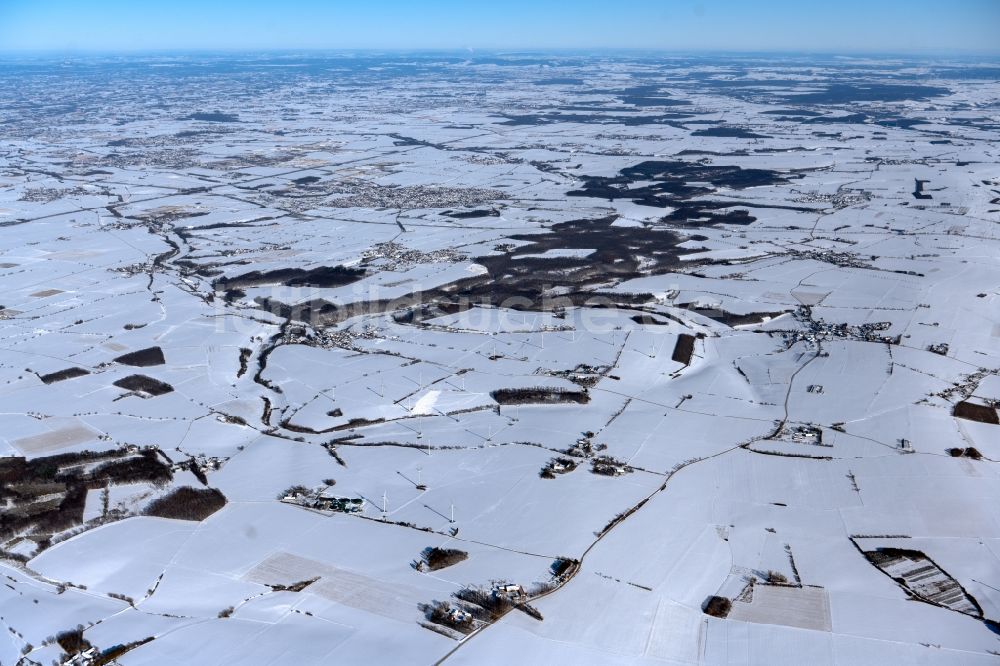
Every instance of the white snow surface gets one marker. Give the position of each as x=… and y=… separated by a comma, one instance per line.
x=399, y=289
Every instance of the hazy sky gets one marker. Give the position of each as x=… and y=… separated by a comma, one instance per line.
x=761, y=25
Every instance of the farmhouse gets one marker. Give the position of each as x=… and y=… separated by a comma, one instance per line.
x=509, y=591
x=341, y=504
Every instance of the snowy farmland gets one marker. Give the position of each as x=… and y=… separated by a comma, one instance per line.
x=377, y=359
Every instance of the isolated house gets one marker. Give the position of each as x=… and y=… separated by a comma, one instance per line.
x=459, y=616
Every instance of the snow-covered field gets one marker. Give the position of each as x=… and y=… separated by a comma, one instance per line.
x=703, y=354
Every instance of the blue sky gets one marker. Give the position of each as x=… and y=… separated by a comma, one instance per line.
x=731, y=25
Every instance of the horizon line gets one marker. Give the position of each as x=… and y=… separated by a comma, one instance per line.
x=498, y=50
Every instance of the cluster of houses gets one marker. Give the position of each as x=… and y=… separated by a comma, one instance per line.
x=583, y=374
x=202, y=463
x=317, y=499
x=841, y=259
x=820, y=330
x=84, y=658
x=341, y=504
x=511, y=592
x=394, y=256
x=557, y=466
x=461, y=619
x=806, y=433
x=841, y=199
x=583, y=447
x=457, y=616
x=608, y=466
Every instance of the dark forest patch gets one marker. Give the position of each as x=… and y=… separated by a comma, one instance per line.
x=845, y=93
x=439, y=558
x=144, y=384
x=848, y=119
x=146, y=466
x=648, y=320
x=245, y=355
x=651, y=95
x=617, y=253
x=729, y=132
x=322, y=276
x=213, y=117
x=675, y=184
x=45, y=495
x=187, y=503
x=970, y=452
x=684, y=348
x=731, y=318
x=791, y=112
x=671, y=119
x=717, y=606
x=539, y=396
x=61, y=375
x=72, y=642
x=558, y=81
x=471, y=214
x=531, y=283
x=143, y=357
